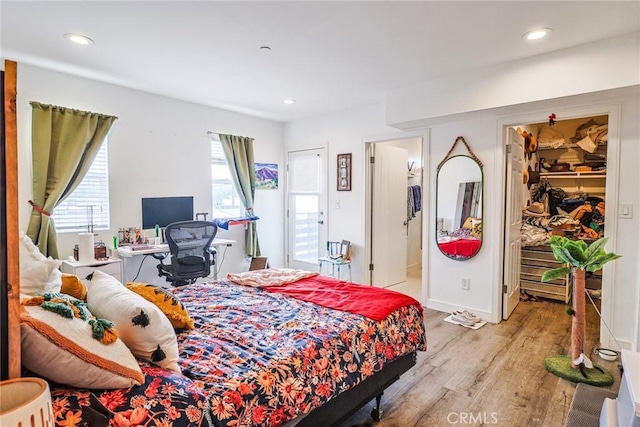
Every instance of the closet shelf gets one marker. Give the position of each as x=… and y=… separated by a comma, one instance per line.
x=573, y=175
x=544, y=148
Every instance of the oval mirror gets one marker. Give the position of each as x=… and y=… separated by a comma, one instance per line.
x=459, y=207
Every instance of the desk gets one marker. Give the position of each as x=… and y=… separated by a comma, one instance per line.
x=113, y=267
x=126, y=253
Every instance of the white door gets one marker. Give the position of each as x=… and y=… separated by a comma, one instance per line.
x=307, y=201
x=513, y=223
x=389, y=215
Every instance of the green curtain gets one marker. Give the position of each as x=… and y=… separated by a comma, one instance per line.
x=238, y=150
x=64, y=143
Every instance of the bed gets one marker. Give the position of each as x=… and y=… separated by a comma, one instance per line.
x=266, y=356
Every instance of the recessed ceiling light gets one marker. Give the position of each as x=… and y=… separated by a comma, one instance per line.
x=289, y=101
x=78, y=38
x=536, y=34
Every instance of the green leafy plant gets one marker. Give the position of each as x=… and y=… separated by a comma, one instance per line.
x=578, y=258
x=577, y=254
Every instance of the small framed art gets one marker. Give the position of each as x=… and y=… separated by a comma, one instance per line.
x=344, y=172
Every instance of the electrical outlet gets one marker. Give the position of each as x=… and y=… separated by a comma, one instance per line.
x=465, y=283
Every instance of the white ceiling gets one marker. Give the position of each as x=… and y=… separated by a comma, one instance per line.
x=329, y=56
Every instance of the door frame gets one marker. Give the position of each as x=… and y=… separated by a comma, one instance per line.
x=324, y=179
x=612, y=185
x=367, y=144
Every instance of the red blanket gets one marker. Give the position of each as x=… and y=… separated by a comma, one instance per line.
x=374, y=303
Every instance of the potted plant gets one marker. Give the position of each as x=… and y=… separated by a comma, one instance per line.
x=579, y=258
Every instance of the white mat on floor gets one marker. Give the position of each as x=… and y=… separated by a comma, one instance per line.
x=476, y=326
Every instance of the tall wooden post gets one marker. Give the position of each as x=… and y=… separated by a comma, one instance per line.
x=578, y=323
x=11, y=218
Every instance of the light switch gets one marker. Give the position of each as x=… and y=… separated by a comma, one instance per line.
x=626, y=211
x=337, y=204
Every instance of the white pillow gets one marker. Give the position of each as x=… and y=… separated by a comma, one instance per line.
x=38, y=273
x=142, y=326
x=64, y=351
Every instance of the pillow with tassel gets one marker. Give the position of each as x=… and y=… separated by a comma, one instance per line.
x=142, y=326
x=168, y=303
x=61, y=340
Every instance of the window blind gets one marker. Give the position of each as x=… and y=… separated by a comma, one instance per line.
x=223, y=194
x=90, y=198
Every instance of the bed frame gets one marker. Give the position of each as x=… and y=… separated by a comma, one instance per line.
x=347, y=403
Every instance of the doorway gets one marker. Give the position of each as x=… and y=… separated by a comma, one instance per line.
x=394, y=213
x=306, y=207
x=523, y=265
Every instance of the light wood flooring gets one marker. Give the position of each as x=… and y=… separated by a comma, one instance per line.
x=412, y=286
x=491, y=376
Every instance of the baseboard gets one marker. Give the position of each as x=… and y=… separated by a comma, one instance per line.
x=447, y=307
x=414, y=267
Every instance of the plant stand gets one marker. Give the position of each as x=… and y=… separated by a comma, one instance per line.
x=563, y=366
x=578, y=257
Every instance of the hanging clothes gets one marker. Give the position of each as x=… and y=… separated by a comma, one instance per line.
x=411, y=206
x=417, y=197
x=414, y=201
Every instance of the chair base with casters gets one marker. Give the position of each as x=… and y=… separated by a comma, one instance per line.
x=338, y=255
x=191, y=255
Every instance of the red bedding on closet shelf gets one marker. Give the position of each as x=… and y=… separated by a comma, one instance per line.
x=374, y=303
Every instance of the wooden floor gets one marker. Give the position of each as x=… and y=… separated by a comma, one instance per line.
x=491, y=376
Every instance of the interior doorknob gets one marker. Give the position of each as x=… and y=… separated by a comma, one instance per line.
x=320, y=222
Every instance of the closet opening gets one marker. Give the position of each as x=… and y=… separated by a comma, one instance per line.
x=557, y=174
x=394, y=211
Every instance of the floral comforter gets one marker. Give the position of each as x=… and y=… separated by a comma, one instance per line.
x=255, y=358
x=264, y=358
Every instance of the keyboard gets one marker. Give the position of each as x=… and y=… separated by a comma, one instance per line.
x=140, y=247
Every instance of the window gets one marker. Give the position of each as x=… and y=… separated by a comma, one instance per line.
x=90, y=198
x=223, y=194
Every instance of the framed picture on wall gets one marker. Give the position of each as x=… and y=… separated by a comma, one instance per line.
x=344, y=172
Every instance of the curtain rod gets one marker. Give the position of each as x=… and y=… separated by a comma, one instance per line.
x=209, y=132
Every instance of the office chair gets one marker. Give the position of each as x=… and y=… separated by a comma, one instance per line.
x=338, y=254
x=191, y=255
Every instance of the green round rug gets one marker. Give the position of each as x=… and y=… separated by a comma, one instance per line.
x=561, y=366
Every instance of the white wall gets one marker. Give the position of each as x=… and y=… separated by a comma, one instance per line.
x=601, y=65
x=342, y=132
x=157, y=147
x=445, y=274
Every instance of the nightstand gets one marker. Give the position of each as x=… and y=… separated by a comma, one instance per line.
x=112, y=267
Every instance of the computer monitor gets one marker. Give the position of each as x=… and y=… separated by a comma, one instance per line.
x=165, y=210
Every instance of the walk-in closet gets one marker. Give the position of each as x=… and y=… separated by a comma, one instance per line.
x=564, y=185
